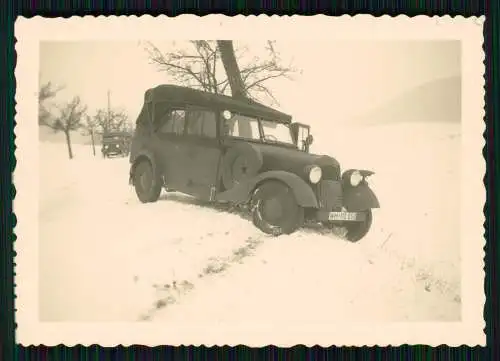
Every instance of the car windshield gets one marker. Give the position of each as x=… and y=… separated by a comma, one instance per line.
x=243, y=126
x=276, y=132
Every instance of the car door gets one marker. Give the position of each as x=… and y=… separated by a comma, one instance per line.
x=203, y=152
x=169, y=147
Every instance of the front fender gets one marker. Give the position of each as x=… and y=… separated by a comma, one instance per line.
x=242, y=192
x=360, y=198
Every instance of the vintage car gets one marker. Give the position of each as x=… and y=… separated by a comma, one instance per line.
x=115, y=144
x=219, y=149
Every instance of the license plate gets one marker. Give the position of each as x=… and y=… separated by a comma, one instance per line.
x=342, y=216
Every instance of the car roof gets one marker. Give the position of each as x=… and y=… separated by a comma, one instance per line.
x=179, y=94
x=114, y=134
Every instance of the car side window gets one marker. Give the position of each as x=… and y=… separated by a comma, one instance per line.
x=202, y=123
x=173, y=123
x=241, y=126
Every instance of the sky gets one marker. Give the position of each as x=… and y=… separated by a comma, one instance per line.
x=339, y=81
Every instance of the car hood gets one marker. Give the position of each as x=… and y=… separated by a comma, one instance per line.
x=293, y=160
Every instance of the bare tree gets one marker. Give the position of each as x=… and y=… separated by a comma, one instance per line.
x=218, y=67
x=69, y=119
x=238, y=87
x=89, y=130
x=46, y=93
x=110, y=120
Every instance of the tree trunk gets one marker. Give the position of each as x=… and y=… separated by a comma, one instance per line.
x=68, y=142
x=228, y=58
x=93, y=143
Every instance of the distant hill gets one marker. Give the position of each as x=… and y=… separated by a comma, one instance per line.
x=435, y=101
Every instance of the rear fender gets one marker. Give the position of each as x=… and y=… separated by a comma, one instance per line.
x=360, y=198
x=243, y=191
x=144, y=155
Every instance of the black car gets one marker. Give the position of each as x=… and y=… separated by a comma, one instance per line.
x=221, y=149
x=115, y=144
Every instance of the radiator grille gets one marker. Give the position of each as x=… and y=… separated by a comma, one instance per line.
x=329, y=194
x=331, y=172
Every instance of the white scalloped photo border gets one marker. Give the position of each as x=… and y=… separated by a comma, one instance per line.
x=29, y=33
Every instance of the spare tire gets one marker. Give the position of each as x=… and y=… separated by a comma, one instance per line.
x=240, y=162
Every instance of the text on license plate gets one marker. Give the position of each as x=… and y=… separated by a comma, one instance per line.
x=342, y=216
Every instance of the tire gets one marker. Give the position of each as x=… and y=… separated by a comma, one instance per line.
x=240, y=163
x=275, y=210
x=147, y=184
x=357, y=230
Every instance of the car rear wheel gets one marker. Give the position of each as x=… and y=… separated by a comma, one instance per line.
x=275, y=210
x=147, y=184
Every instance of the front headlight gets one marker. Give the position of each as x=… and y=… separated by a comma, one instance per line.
x=315, y=174
x=356, y=178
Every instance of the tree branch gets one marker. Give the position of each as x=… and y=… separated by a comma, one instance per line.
x=196, y=65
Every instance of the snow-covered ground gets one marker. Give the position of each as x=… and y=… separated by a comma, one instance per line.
x=104, y=256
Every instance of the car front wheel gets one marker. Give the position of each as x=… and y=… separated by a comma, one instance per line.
x=357, y=230
x=275, y=210
x=146, y=183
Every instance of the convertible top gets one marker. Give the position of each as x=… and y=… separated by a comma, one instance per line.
x=116, y=134
x=183, y=95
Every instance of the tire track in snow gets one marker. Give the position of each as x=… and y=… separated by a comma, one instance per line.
x=171, y=293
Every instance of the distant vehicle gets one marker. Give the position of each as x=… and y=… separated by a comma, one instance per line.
x=220, y=149
x=116, y=144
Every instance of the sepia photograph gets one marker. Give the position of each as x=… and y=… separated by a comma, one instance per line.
x=254, y=181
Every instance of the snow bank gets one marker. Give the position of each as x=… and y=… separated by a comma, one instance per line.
x=96, y=238
x=417, y=181
x=105, y=256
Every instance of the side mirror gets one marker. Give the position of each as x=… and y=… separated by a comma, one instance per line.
x=307, y=142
